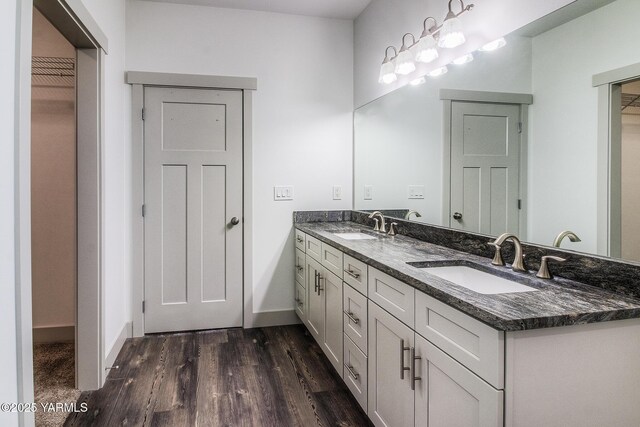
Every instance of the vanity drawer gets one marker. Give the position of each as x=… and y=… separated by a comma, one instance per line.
x=301, y=302
x=313, y=248
x=355, y=274
x=300, y=239
x=355, y=317
x=355, y=372
x=472, y=343
x=331, y=259
x=300, y=268
x=396, y=297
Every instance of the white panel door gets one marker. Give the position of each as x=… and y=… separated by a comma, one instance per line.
x=193, y=204
x=391, y=401
x=485, y=167
x=450, y=395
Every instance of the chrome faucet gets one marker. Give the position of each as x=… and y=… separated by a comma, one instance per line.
x=518, y=261
x=412, y=212
x=570, y=234
x=380, y=226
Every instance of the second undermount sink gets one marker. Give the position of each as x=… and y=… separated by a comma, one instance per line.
x=354, y=236
x=478, y=281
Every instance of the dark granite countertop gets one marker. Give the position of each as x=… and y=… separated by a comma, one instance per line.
x=558, y=302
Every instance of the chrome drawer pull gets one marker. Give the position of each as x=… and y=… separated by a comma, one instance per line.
x=353, y=274
x=353, y=373
x=402, y=367
x=352, y=318
x=413, y=368
x=300, y=239
x=299, y=267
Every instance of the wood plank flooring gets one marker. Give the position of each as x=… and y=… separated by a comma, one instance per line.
x=255, y=377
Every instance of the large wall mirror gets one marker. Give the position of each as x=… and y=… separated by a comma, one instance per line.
x=540, y=138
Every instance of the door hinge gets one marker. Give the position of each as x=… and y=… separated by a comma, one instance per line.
x=144, y=210
x=519, y=203
x=143, y=306
x=519, y=127
x=143, y=114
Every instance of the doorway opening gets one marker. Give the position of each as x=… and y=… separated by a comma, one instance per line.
x=53, y=216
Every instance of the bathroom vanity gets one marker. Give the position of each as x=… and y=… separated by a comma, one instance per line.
x=425, y=335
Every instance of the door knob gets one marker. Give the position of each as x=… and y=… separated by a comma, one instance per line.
x=235, y=220
x=457, y=216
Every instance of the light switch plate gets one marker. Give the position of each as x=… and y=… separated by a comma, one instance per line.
x=368, y=192
x=283, y=193
x=337, y=192
x=416, y=191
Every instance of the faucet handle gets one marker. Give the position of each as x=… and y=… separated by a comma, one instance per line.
x=392, y=229
x=377, y=226
x=544, y=272
x=497, y=257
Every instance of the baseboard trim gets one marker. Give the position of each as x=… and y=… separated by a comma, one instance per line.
x=126, y=332
x=274, y=318
x=49, y=334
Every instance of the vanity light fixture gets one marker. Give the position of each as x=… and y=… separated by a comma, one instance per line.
x=404, y=60
x=418, y=81
x=426, y=48
x=388, y=69
x=464, y=59
x=494, y=45
x=451, y=33
x=439, y=72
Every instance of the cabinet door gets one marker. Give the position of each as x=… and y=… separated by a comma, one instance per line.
x=301, y=302
x=315, y=306
x=300, y=268
x=300, y=240
x=391, y=402
x=450, y=395
x=355, y=316
x=331, y=293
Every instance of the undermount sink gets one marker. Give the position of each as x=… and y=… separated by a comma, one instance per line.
x=478, y=281
x=354, y=236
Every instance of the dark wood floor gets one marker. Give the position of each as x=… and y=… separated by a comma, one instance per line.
x=256, y=377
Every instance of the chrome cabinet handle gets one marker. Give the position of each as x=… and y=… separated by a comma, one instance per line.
x=315, y=282
x=353, y=373
x=402, y=367
x=457, y=216
x=235, y=220
x=413, y=368
x=320, y=289
x=353, y=274
x=299, y=267
x=299, y=239
x=351, y=317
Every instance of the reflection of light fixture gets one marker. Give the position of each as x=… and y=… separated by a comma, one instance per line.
x=438, y=72
x=404, y=60
x=426, y=47
x=388, y=69
x=463, y=59
x=494, y=45
x=418, y=81
x=451, y=34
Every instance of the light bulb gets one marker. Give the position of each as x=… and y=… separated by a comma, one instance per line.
x=438, y=72
x=404, y=63
x=451, y=34
x=463, y=59
x=494, y=45
x=387, y=72
x=418, y=81
x=426, y=50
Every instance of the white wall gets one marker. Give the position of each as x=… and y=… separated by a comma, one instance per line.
x=8, y=362
x=53, y=185
x=564, y=121
x=401, y=132
x=303, y=110
x=110, y=16
x=384, y=22
x=631, y=187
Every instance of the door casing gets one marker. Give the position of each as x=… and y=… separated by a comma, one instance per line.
x=138, y=81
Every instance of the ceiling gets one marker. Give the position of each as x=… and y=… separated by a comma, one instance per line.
x=343, y=9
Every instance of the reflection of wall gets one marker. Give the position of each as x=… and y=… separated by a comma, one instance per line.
x=303, y=110
x=631, y=187
x=53, y=178
x=563, y=148
x=398, y=138
x=384, y=22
